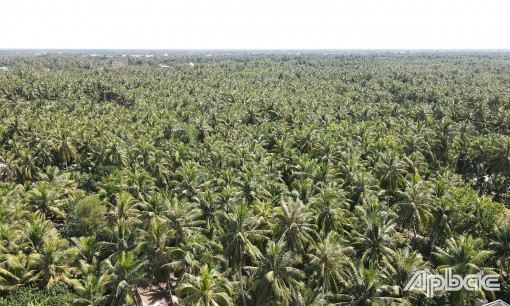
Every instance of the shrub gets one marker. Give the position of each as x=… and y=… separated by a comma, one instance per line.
x=24, y=296
x=90, y=214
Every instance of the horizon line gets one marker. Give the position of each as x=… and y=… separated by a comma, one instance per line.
x=267, y=49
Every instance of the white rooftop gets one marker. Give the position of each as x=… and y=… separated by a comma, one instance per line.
x=495, y=303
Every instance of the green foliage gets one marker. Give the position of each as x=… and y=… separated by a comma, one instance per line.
x=22, y=296
x=91, y=214
x=254, y=179
x=25, y=296
x=471, y=213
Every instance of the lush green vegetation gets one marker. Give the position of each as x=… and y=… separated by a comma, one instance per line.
x=253, y=179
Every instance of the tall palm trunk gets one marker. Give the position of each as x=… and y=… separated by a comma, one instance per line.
x=240, y=274
x=170, y=292
x=324, y=284
x=506, y=191
x=138, y=297
x=432, y=244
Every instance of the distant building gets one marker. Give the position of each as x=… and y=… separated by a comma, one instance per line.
x=117, y=64
x=4, y=69
x=497, y=303
x=480, y=302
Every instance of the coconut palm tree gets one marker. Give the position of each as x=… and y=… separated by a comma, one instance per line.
x=8, y=165
x=443, y=140
x=126, y=208
x=140, y=183
x=55, y=263
x=364, y=286
x=400, y=267
x=392, y=172
x=464, y=255
x=66, y=152
x=462, y=144
x=46, y=200
x=38, y=230
x=250, y=189
x=11, y=239
x=122, y=238
x=90, y=290
x=240, y=237
x=415, y=205
x=499, y=162
x=115, y=154
x=206, y=289
x=295, y=225
x=190, y=180
x=440, y=228
x=153, y=242
x=376, y=238
x=500, y=246
x=330, y=208
x=110, y=186
x=208, y=205
x=17, y=270
x=127, y=274
x=183, y=218
x=88, y=249
x=276, y=278
x=154, y=206
x=327, y=257
x=304, y=189
x=26, y=166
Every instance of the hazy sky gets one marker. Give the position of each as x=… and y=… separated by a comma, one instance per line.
x=255, y=24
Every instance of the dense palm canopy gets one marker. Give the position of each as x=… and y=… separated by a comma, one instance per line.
x=252, y=179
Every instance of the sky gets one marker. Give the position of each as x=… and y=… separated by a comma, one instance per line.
x=254, y=24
